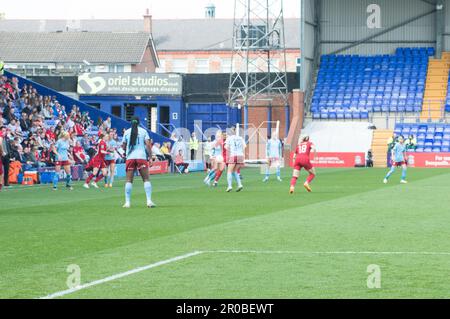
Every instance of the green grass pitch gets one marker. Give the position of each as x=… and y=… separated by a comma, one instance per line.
x=260, y=243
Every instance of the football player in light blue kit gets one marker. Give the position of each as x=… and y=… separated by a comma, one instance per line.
x=274, y=155
x=63, y=159
x=235, y=146
x=399, y=159
x=110, y=159
x=138, y=146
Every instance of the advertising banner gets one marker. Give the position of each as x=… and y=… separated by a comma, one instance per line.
x=430, y=160
x=159, y=168
x=129, y=84
x=337, y=159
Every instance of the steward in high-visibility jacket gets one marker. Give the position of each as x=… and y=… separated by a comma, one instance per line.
x=193, y=146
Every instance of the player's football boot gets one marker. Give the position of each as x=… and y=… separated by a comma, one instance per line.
x=403, y=181
x=279, y=179
x=86, y=186
x=69, y=187
x=385, y=181
x=126, y=205
x=94, y=184
x=229, y=189
x=110, y=185
x=239, y=188
x=266, y=179
x=215, y=184
x=150, y=204
x=307, y=187
x=291, y=190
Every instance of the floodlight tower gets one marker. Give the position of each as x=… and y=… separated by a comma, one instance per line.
x=258, y=74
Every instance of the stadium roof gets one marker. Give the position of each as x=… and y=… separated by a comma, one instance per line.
x=74, y=47
x=169, y=35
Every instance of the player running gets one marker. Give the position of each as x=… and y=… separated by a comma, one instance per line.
x=98, y=163
x=399, y=159
x=136, y=141
x=63, y=160
x=302, y=160
x=110, y=160
x=274, y=155
x=235, y=147
x=217, y=160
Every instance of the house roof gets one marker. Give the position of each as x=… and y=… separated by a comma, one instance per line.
x=74, y=47
x=168, y=35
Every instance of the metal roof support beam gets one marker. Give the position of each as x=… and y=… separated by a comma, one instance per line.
x=440, y=27
x=430, y=2
x=376, y=35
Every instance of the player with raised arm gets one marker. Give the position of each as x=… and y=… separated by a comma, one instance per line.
x=274, y=155
x=302, y=160
x=98, y=162
x=235, y=146
x=399, y=159
x=138, y=146
x=63, y=160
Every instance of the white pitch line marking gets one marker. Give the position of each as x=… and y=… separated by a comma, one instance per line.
x=121, y=275
x=275, y=252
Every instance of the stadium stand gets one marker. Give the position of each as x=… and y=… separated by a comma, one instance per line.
x=32, y=116
x=354, y=86
x=431, y=137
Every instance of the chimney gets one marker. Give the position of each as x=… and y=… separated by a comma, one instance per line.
x=147, y=21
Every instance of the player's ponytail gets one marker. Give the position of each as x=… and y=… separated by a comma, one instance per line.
x=134, y=131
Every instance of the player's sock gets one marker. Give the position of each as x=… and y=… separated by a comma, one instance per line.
x=55, y=180
x=230, y=179
x=148, y=191
x=218, y=175
x=293, y=181
x=106, y=180
x=238, y=179
x=267, y=172
x=128, y=189
x=403, y=174
x=278, y=172
x=89, y=179
x=211, y=175
x=390, y=172
x=111, y=179
x=1, y=186
x=68, y=180
x=99, y=178
x=310, y=178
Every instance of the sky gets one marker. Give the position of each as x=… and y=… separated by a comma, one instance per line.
x=132, y=9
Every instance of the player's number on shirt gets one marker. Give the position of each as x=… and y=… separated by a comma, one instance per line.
x=303, y=149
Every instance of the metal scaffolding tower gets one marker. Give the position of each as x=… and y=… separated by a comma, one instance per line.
x=259, y=54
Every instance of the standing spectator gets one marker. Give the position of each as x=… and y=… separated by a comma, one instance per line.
x=2, y=67
x=369, y=159
x=180, y=163
x=193, y=146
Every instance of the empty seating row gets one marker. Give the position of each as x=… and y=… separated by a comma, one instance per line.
x=430, y=137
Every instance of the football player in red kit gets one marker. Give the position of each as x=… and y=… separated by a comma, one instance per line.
x=98, y=162
x=302, y=160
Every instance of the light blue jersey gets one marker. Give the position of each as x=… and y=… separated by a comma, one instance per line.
x=399, y=150
x=137, y=151
x=112, y=145
x=62, y=147
x=235, y=145
x=273, y=149
x=217, y=149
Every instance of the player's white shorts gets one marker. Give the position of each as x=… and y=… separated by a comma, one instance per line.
x=274, y=161
x=217, y=159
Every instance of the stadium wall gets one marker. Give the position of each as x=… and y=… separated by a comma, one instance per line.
x=447, y=26
x=345, y=21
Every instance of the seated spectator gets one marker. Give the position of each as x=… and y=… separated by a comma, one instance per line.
x=180, y=163
x=411, y=143
x=165, y=149
x=79, y=154
x=156, y=152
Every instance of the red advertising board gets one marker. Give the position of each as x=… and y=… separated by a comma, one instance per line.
x=159, y=168
x=430, y=160
x=330, y=159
